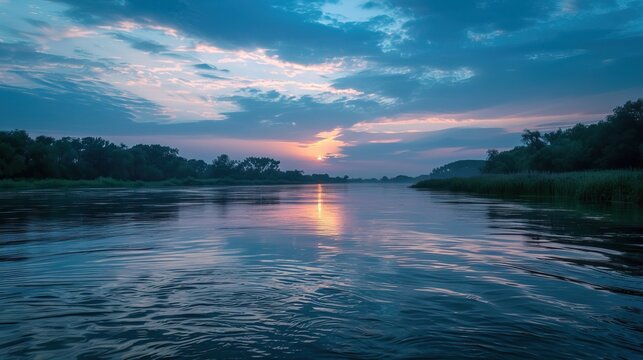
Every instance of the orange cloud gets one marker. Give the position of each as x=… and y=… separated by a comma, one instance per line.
x=328, y=147
x=407, y=124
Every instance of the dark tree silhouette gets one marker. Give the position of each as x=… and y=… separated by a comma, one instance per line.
x=22, y=157
x=615, y=143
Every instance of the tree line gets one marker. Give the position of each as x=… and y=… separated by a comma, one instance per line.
x=44, y=157
x=614, y=143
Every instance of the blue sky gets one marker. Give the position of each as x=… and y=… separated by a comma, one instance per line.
x=364, y=88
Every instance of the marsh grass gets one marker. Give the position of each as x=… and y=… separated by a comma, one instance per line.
x=624, y=186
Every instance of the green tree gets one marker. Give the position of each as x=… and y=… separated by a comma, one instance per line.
x=14, y=147
x=259, y=167
x=614, y=143
x=223, y=167
x=532, y=139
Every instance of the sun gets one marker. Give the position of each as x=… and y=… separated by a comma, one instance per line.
x=320, y=158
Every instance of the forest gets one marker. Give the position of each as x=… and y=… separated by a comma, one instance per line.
x=44, y=157
x=614, y=143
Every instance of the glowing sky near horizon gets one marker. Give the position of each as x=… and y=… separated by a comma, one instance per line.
x=364, y=88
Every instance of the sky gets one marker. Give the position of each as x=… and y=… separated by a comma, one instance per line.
x=357, y=87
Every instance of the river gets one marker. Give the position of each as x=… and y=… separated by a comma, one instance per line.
x=315, y=271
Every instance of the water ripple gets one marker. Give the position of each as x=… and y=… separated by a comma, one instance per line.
x=342, y=271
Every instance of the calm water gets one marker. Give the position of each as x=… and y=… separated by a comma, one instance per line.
x=332, y=271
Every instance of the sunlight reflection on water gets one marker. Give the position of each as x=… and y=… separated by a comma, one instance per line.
x=323, y=271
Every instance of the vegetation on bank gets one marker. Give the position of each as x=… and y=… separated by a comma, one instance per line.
x=597, y=163
x=615, y=143
x=45, y=162
x=607, y=186
x=25, y=184
x=27, y=162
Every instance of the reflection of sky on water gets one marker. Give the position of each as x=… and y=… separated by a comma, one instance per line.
x=306, y=270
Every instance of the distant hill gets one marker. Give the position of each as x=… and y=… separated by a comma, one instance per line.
x=403, y=179
x=460, y=168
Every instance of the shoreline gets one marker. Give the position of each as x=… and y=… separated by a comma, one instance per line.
x=598, y=187
x=34, y=184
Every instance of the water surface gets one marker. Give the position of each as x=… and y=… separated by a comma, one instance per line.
x=314, y=271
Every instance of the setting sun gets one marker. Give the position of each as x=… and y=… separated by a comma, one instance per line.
x=320, y=158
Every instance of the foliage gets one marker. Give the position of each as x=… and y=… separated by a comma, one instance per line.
x=107, y=164
x=615, y=143
x=588, y=186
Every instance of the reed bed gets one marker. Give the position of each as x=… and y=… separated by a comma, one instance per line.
x=607, y=186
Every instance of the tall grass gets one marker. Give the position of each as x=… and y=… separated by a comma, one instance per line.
x=590, y=186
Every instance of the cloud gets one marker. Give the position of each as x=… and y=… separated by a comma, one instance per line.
x=26, y=55
x=209, y=67
x=290, y=26
x=213, y=77
x=410, y=124
x=46, y=91
x=424, y=151
x=72, y=111
x=141, y=44
x=278, y=116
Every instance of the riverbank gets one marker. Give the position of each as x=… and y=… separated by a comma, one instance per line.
x=27, y=184
x=624, y=186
